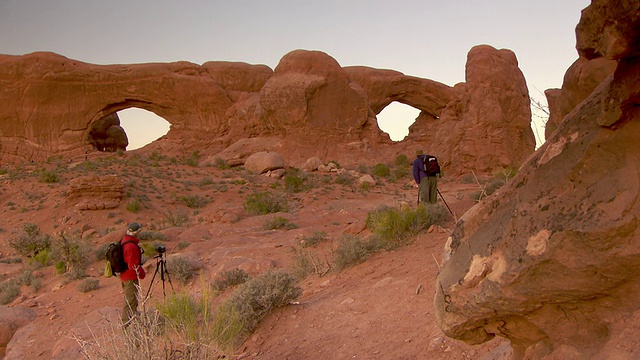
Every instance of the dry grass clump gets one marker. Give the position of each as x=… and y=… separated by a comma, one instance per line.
x=238, y=315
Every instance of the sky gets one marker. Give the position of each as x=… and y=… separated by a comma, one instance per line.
x=424, y=38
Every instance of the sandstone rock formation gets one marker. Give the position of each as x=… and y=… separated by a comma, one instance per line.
x=264, y=161
x=551, y=261
x=487, y=126
x=12, y=319
x=95, y=192
x=582, y=77
x=309, y=105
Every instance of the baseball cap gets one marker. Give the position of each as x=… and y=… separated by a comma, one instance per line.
x=134, y=226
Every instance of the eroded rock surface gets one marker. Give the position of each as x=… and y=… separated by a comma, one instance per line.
x=311, y=105
x=551, y=261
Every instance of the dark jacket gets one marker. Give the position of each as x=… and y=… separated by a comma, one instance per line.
x=418, y=168
x=133, y=257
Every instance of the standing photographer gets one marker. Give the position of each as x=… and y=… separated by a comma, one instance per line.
x=130, y=278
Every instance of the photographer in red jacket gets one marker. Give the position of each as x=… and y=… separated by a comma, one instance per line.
x=130, y=278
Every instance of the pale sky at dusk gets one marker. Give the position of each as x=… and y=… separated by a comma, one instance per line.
x=423, y=38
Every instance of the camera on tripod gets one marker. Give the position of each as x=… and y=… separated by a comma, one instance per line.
x=161, y=249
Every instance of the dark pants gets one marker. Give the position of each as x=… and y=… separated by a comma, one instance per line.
x=130, y=307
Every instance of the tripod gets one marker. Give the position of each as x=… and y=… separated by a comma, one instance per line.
x=161, y=267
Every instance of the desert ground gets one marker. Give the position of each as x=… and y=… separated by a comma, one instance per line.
x=381, y=308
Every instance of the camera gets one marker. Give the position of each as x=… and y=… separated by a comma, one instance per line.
x=161, y=249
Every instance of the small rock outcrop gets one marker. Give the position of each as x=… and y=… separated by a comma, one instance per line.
x=264, y=161
x=95, y=192
x=551, y=260
x=12, y=319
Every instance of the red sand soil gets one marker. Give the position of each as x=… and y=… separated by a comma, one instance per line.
x=379, y=309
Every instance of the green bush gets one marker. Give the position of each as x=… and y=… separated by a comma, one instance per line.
x=265, y=203
x=230, y=278
x=133, y=205
x=295, y=182
x=402, y=161
x=49, y=176
x=194, y=201
x=351, y=250
x=240, y=314
x=29, y=241
x=193, y=159
x=89, y=284
x=221, y=164
x=381, y=170
x=71, y=255
x=393, y=226
x=344, y=179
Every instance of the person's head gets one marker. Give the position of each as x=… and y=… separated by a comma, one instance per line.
x=419, y=152
x=134, y=228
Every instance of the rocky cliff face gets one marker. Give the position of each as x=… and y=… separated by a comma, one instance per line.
x=551, y=261
x=53, y=105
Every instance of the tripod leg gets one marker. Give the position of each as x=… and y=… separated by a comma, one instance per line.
x=169, y=278
x=151, y=283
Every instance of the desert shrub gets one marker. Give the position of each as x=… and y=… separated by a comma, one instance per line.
x=265, y=203
x=133, y=205
x=400, y=172
x=182, y=312
x=147, y=338
x=11, y=260
x=9, y=291
x=351, y=250
x=314, y=240
x=381, y=170
x=152, y=235
x=221, y=164
x=402, y=161
x=192, y=159
x=29, y=241
x=295, y=182
x=178, y=219
x=306, y=261
x=238, y=315
x=278, y=222
x=25, y=277
x=101, y=251
x=365, y=186
x=395, y=226
x=344, y=179
x=230, y=278
x=151, y=249
x=49, y=176
x=71, y=256
x=182, y=245
x=180, y=269
x=89, y=284
x=194, y=201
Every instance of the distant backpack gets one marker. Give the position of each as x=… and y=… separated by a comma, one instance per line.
x=431, y=166
x=115, y=258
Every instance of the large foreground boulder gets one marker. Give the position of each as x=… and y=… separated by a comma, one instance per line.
x=552, y=260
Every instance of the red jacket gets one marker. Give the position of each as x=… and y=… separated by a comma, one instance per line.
x=133, y=258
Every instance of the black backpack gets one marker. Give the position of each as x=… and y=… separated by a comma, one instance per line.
x=431, y=166
x=115, y=256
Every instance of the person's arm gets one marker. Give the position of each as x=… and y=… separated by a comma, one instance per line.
x=416, y=171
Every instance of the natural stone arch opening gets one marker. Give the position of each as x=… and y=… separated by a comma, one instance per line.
x=396, y=118
x=142, y=126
